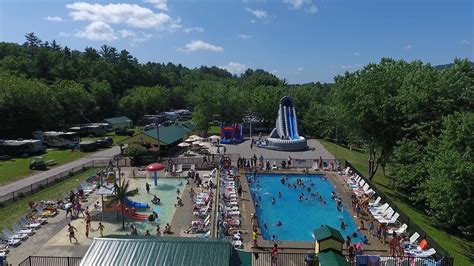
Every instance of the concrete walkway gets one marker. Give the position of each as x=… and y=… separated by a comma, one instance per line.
x=28, y=181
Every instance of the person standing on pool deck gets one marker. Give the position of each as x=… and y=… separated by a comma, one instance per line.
x=254, y=237
x=275, y=254
x=147, y=187
x=101, y=229
x=71, y=230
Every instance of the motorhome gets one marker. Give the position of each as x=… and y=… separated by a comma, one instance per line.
x=94, y=129
x=55, y=139
x=21, y=147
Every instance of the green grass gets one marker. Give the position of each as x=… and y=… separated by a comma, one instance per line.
x=458, y=247
x=214, y=130
x=112, y=135
x=18, y=168
x=14, y=211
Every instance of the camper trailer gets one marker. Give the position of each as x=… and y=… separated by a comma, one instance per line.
x=96, y=130
x=21, y=147
x=55, y=139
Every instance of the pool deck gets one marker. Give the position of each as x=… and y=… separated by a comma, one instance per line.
x=52, y=239
x=247, y=208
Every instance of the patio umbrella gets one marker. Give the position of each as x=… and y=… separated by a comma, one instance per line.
x=196, y=137
x=184, y=144
x=197, y=142
x=214, y=137
x=189, y=140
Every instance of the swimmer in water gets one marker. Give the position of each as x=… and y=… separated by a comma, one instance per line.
x=279, y=223
x=265, y=226
x=273, y=200
x=279, y=194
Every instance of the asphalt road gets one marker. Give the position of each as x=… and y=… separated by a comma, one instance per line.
x=26, y=182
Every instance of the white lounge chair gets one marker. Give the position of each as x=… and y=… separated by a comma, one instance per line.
x=12, y=242
x=430, y=252
x=17, y=229
x=29, y=225
x=379, y=210
x=179, y=169
x=401, y=230
x=387, y=214
x=376, y=202
x=391, y=220
x=9, y=234
x=414, y=237
x=193, y=167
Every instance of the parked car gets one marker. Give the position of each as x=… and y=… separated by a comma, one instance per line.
x=38, y=163
x=124, y=132
x=104, y=142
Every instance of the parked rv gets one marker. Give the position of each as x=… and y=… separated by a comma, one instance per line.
x=55, y=139
x=21, y=147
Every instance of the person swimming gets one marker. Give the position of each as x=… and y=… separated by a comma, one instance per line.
x=273, y=200
x=343, y=225
x=279, y=223
x=265, y=226
x=279, y=194
x=155, y=200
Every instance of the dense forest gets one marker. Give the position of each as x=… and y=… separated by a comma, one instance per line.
x=415, y=120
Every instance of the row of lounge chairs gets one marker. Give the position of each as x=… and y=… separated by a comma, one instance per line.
x=229, y=208
x=385, y=214
x=202, y=210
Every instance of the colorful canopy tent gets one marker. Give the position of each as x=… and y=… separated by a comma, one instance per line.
x=155, y=168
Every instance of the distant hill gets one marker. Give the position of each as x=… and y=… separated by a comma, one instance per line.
x=440, y=67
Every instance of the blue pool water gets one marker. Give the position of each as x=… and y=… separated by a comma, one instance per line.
x=299, y=219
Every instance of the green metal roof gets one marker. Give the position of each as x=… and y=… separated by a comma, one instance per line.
x=118, y=120
x=331, y=258
x=141, y=250
x=325, y=232
x=189, y=125
x=169, y=134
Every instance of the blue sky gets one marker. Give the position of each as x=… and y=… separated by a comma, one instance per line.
x=299, y=40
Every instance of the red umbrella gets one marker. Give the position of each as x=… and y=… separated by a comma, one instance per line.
x=154, y=167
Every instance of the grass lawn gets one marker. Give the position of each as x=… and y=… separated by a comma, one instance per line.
x=12, y=212
x=459, y=248
x=18, y=168
x=214, y=130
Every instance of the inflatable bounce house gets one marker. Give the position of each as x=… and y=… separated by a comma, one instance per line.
x=284, y=136
x=231, y=134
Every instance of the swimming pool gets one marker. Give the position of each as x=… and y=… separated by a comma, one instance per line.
x=299, y=218
x=166, y=191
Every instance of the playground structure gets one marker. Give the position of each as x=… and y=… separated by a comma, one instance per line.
x=231, y=134
x=156, y=169
x=285, y=136
x=131, y=213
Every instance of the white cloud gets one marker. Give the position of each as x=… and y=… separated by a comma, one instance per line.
x=296, y=4
x=408, y=46
x=306, y=5
x=260, y=14
x=97, y=31
x=193, y=29
x=253, y=21
x=142, y=38
x=235, y=68
x=465, y=42
x=313, y=9
x=244, y=36
x=129, y=14
x=126, y=33
x=299, y=69
x=55, y=19
x=199, y=45
x=159, y=4
x=356, y=53
x=354, y=66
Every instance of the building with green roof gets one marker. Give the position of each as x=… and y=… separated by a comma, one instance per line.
x=119, y=122
x=166, y=137
x=326, y=238
x=141, y=250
